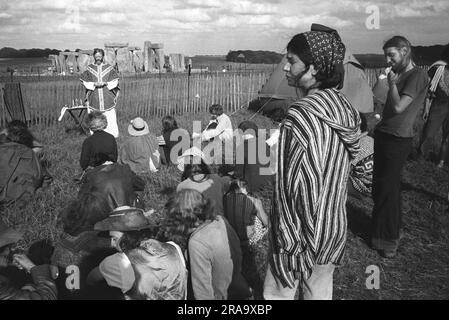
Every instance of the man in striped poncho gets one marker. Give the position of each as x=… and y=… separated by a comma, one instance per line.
x=318, y=138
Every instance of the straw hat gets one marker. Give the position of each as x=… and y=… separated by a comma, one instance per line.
x=9, y=235
x=138, y=127
x=124, y=219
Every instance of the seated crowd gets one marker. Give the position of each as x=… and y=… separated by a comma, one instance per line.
x=112, y=246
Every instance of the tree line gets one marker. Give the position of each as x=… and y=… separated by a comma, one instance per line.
x=8, y=52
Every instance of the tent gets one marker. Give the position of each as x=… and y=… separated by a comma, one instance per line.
x=276, y=94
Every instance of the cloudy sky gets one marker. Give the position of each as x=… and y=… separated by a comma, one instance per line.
x=217, y=26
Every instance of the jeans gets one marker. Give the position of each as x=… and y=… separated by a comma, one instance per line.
x=390, y=155
x=317, y=287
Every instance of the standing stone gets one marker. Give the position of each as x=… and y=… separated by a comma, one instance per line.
x=124, y=62
x=138, y=60
x=54, y=62
x=157, y=46
x=177, y=63
x=88, y=52
x=116, y=45
x=83, y=62
x=147, y=56
x=72, y=65
x=159, y=60
x=62, y=64
x=151, y=59
x=109, y=56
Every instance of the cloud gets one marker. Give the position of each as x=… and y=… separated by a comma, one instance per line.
x=188, y=15
x=212, y=25
x=203, y=3
x=109, y=18
x=295, y=22
x=4, y=15
x=249, y=7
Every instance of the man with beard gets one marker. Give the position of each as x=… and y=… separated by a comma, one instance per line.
x=102, y=90
x=393, y=142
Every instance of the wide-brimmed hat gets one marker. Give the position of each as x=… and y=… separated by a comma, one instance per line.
x=138, y=127
x=123, y=219
x=9, y=235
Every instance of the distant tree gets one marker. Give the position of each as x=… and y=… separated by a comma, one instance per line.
x=250, y=56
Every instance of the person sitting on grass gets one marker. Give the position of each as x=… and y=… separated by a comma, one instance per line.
x=250, y=156
x=172, y=135
x=79, y=244
x=42, y=287
x=143, y=268
x=27, y=138
x=116, y=182
x=141, y=150
x=245, y=213
x=197, y=176
x=219, y=137
x=20, y=129
x=21, y=172
x=99, y=143
x=214, y=252
x=248, y=218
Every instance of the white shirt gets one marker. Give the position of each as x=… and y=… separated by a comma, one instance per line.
x=223, y=130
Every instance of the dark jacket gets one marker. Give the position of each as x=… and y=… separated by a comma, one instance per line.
x=249, y=165
x=20, y=172
x=44, y=287
x=117, y=182
x=98, y=148
x=85, y=250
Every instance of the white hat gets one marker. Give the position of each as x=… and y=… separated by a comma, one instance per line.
x=138, y=127
x=118, y=271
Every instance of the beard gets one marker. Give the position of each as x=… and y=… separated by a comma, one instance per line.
x=400, y=65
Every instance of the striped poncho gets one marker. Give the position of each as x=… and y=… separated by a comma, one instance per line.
x=318, y=139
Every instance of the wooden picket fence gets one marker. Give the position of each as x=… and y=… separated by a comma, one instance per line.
x=148, y=97
x=145, y=97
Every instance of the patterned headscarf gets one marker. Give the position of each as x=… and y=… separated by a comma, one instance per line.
x=327, y=50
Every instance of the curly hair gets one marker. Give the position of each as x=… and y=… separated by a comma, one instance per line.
x=185, y=211
x=96, y=121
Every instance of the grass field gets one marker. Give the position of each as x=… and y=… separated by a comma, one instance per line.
x=420, y=271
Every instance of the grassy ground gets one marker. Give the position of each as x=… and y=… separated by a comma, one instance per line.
x=420, y=271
